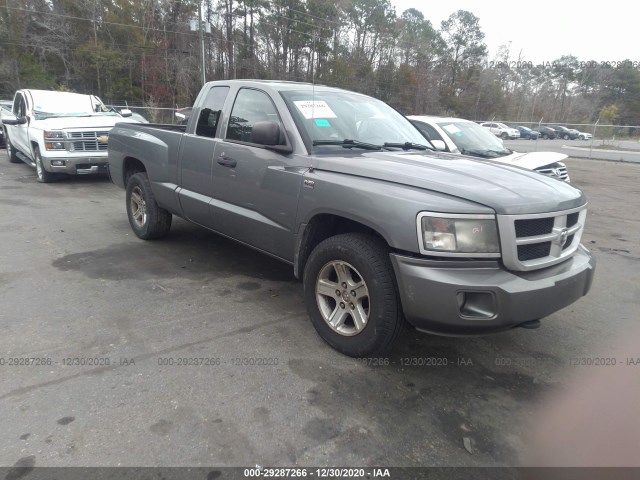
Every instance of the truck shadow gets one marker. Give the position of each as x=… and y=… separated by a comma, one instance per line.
x=188, y=252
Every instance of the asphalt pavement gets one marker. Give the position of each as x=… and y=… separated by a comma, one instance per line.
x=194, y=350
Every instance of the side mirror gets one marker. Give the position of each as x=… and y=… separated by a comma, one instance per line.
x=439, y=145
x=125, y=112
x=266, y=133
x=269, y=134
x=11, y=119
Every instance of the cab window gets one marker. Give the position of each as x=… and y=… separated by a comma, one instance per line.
x=251, y=106
x=210, y=112
x=428, y=131
x=19, y=107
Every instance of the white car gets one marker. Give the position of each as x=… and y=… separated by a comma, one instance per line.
x=501, y=130
x=584, y=136
x=59, y=132
x=456, y=135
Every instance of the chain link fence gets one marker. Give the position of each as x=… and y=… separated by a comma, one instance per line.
x=164, y=115
x=598, y=130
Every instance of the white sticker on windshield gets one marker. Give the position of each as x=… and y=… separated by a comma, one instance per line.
x=451, y=129
x=315, y=109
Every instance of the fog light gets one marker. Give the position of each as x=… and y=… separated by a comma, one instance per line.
x=57, y=163
x=477, y=305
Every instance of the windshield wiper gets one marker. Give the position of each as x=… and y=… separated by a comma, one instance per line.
x=477, y=153
x=347, y=143
x=407, y=146
x=44, y=115
x=502, y=153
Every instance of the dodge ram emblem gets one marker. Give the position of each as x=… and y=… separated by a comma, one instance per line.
x=563, y=236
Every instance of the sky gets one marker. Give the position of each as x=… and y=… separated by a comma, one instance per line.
x=545, y=30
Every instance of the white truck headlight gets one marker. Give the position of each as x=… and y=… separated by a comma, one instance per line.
x=53, y=140
x=458, y=235
x=53, y=134
x=54, y=145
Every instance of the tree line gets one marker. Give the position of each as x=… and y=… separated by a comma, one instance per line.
x=145, y=53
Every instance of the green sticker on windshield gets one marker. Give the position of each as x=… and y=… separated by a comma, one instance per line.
x=321, y=122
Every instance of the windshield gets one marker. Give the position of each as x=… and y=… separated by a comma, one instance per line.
x=472, y=139
x=331, y=116
x=63, y=104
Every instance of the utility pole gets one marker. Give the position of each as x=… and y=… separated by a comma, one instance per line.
x=201, y=34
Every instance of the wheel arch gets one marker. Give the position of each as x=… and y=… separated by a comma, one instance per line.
x=131, y=166
x=322, y=226
x=34, y=146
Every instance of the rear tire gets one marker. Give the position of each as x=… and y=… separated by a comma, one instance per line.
x=351, y=295
x=11, y=152
x=43, y=175
x=147, y=219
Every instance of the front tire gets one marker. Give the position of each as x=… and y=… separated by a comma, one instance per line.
x=43, y=175
x=351, y=295
x=505, y=136
x=147, y=219
x=566, y=137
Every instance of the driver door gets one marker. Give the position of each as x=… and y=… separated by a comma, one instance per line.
x=255, y=189
x=19, y=134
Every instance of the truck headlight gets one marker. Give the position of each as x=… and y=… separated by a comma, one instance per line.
x=54, y=145
x=458, y=235
x=53, y=134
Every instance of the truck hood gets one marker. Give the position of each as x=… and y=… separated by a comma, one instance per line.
x=532, y=160
x=61, y=123
x=506, y=189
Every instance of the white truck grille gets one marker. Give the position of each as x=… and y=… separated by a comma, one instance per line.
x=530, y=242
x=557, y=170
x=87, y=141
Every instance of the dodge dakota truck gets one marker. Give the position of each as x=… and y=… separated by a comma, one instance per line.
x=382, y=230
x=59, y=132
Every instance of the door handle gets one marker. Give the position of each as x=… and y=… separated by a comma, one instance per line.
x=226, y=161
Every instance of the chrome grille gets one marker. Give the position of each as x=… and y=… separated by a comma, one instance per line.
x=530, y=242
x=556, y=170
x=87, y=141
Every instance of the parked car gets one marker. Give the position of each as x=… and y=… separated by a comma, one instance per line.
x=501, y=130
x=456, y=135
x=138, y=118
x=59, y=132
x=380, y=228
x=565, y=133
x=584, y=136
x=182, y=115
x=547, y=133
x=5, y=107
x=526, y=132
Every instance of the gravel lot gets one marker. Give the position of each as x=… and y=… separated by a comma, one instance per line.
x=78, y=287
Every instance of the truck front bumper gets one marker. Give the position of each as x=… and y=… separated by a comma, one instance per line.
x=459, y=298
x=76, y=165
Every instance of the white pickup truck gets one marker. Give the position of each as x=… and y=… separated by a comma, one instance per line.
x=59, y=132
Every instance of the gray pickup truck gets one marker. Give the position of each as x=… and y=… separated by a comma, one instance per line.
x=381, y=229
